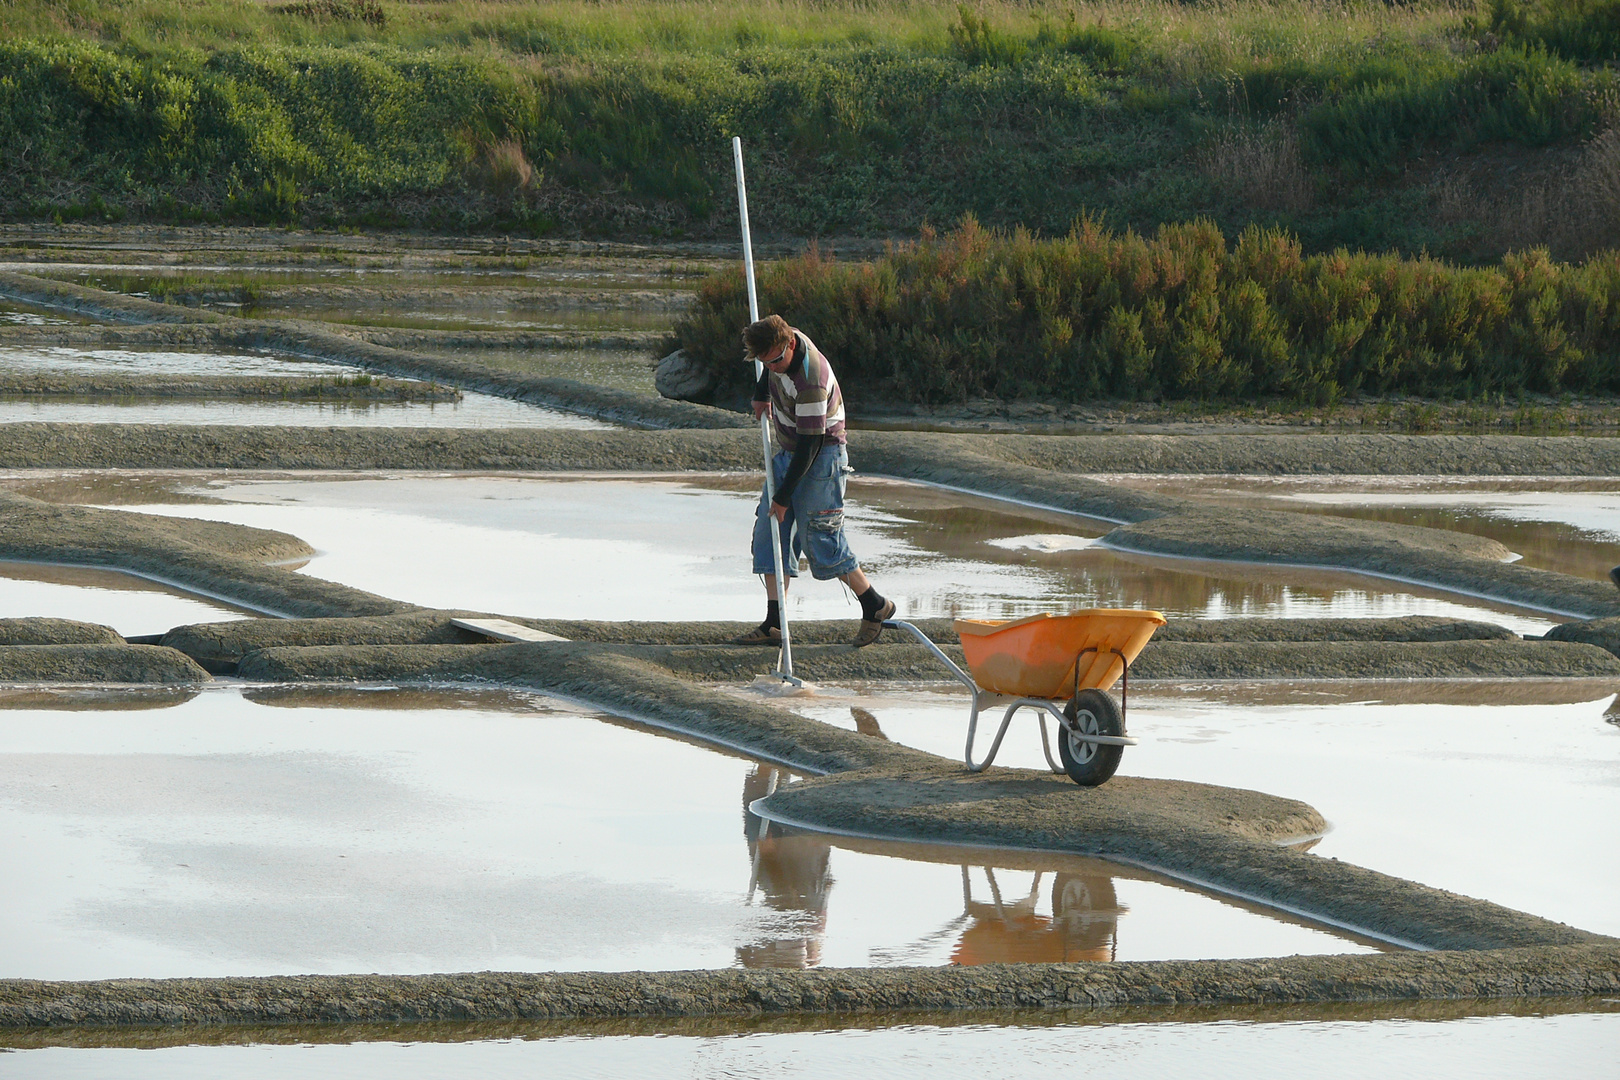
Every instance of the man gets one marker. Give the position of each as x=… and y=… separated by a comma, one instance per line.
x=811, y=466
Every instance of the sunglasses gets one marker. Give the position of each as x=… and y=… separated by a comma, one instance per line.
x=780, y=354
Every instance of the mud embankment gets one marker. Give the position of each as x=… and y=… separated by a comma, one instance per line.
x=120, y=663
x=48, y=631
x=365, y=389
x=96, y=303
x=319, y=341
x=335, y=999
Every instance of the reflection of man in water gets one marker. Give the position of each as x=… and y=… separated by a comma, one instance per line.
x=1083, y=925
x=794, y=876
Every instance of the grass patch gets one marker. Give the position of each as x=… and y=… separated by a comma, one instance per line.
x=861, y=118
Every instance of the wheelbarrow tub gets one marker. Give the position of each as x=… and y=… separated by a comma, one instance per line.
x=1036, y=657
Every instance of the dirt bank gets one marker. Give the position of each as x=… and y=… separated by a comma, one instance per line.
x=158, y=446
x=319, y=341
x=96, y=303
x=220, y=646
x=1292, y=455
x=1603, y=633
x=52, y=384
x=45, y=631
x=1191, y=661
x=119, y=663
x=334, y=999
x=214, y=558
x=641, y=341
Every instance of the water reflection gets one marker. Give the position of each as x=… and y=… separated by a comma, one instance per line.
x=1083, y=925
x=791, y=871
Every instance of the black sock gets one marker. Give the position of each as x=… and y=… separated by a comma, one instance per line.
x=871, y=603
x=773, y=616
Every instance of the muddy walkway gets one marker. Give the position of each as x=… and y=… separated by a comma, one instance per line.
x=1575, y=970
x=319, y=388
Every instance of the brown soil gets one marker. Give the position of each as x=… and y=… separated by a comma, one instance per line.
x=40, y=631
x=120, y=663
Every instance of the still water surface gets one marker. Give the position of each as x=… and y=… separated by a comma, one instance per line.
x=256, y=831
x=1552, y=1038
x=1500, y=790
x=677, y=548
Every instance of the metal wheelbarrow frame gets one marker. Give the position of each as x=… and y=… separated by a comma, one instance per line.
x=1071, y=728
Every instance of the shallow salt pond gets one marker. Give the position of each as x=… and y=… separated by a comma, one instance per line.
x=1508, y=791
x=677, y=548
x=297, y=830
x=129, y=604
x=68, y=359
x=1548, y=1038
x=472, y=411
x=1570, y=525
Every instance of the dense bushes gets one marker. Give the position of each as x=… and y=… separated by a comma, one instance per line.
x=1100, y=315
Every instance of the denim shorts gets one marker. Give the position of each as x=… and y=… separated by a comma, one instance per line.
x=815, y=520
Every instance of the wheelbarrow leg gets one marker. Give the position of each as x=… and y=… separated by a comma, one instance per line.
x=995, y=745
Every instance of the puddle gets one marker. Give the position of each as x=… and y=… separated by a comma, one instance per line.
x=1506, y=1041
x=15, y=314
x=1476, y=787
x=265, y=831
x=472, y=411
x=1568, y=525
x=561, y=547
x=129, y=604
x=25, y=359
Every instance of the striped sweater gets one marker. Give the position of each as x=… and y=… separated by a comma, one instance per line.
x=806, y=399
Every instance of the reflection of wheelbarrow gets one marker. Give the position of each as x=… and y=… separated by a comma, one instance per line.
x=1084, y=923
x=1057, y=664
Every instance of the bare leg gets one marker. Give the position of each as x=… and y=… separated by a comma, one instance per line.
x=856, y=580
x=770, y=586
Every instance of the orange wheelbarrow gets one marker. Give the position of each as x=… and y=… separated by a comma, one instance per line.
x=1060, y=665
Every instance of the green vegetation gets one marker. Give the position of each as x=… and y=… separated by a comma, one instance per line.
x=1431, y=126
x=1182, y=316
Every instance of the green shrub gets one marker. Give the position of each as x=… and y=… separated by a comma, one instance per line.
x=1183, y=315
x=1584, y=30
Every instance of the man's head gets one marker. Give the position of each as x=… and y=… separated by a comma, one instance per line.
x=770, y=341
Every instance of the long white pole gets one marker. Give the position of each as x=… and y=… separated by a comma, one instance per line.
x=785, y=661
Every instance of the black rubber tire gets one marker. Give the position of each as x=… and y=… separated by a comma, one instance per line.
x=1096, y=714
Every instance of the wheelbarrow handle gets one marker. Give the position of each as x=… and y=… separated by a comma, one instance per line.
x=963, y=677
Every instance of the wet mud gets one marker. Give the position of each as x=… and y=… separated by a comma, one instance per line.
x=326, y=999
x=222, y=387
x=120, y=663
x=46, y=631
x=1331, y=660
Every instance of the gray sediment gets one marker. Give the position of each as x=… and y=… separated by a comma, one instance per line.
x=120, y=663
x=1182, y=661
x=642, y=341
x=330, y=999
x=47, y=631
x=96, y=303
x=225, y=644
x=322, y=388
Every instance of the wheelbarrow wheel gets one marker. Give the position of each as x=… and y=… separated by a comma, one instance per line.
x=1090, y=712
